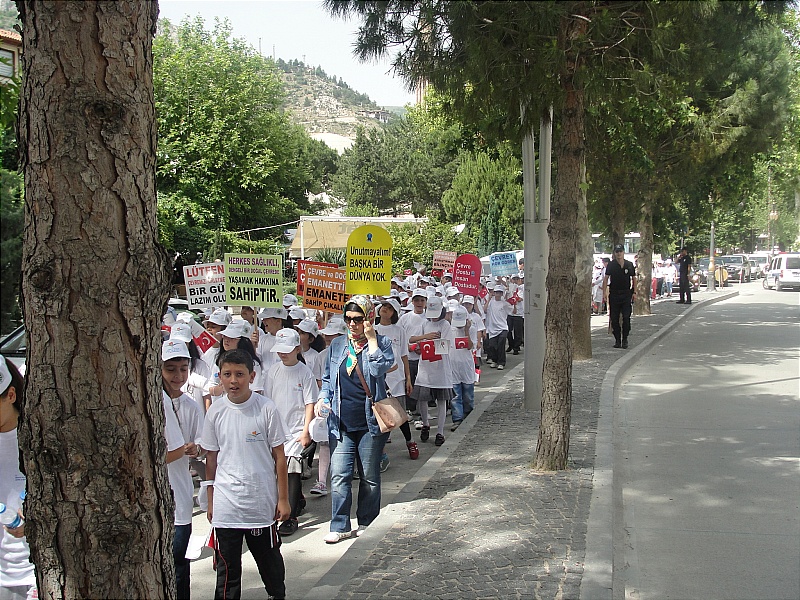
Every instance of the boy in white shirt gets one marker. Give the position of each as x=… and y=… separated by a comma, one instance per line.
x=247, y=488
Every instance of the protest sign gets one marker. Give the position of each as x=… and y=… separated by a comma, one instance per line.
x=503, y=263
x=467, y=274
x=369, y=261
x=205, y=284
x=444, y=259
x=254, y=280
x=301, y=273
x=324, y=287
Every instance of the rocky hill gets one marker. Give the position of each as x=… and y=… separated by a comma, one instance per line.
x=325, y=104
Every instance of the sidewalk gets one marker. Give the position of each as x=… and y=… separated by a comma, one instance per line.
x=475, y=522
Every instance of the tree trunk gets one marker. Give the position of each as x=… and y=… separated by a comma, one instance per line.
x=552, y=448
x=582, y=302
x=644, y=260
x=95, y=283
x=619, y=215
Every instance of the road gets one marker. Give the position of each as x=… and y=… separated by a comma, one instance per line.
x=707, y=434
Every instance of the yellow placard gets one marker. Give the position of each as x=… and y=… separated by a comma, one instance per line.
x=369, y=261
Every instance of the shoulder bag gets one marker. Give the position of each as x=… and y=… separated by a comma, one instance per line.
x=388, y=412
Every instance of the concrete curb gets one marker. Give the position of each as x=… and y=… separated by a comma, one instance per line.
x=345, y=568
x=606, y=509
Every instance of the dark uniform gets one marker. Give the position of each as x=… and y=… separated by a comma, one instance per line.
x=620, y=293
x=684, y=266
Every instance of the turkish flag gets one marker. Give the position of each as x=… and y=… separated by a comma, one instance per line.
x=437, y=272
x=462, y=343
x=428, y=349
x=201, y=337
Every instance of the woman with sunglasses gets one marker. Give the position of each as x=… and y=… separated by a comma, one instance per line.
x=355, y=376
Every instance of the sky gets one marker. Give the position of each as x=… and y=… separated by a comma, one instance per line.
x=298, y=28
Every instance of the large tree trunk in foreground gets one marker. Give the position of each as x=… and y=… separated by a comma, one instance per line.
x=552, y=447
x=582, y=302
x=644, y=260
x=95, y=284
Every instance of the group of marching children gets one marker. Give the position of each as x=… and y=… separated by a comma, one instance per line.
x=240, y=414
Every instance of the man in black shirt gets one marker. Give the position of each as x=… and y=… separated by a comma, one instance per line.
x=619, y=286
x=684, y=266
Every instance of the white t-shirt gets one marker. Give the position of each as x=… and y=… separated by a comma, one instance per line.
x=413, y=324
x=264, y=351
x=180, y=480
x=245, y=485
x=436, y=374
x=396, y=380
x=291, y=389
x=15, y=566
x=190, y=417
x=496, y=316
x=210, y=358
x=198, y=383
x=462, y=361
x=314, y=361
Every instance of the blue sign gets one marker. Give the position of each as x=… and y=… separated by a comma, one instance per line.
x=503, y=263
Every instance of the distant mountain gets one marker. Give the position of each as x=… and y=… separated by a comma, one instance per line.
x=324, y=104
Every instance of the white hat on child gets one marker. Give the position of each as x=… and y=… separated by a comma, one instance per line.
x=237, y=329
x=173, y=349
x=181, y=332
x=286, y=340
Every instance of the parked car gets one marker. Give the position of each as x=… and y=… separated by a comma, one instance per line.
x=756, y=266
x=738, y=267
x=783, y=272
x=701, y=270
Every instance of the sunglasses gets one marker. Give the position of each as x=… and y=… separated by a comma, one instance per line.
x=356, y=320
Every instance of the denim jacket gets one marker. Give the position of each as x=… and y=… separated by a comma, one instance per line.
x=374, y=367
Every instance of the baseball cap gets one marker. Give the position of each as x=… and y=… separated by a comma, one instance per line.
x=171, y=349
x=468, y=300
x=451, y=304
x=297, y=313
x=220, y=317
x=237, y=329
x=403, y=296
x=394, y=304
x=459, y=318
x=452, y=291
x=273, y=313
x=286, y=340
x=499, y=288
x=290, y=300
x=619, y=248
x=335, y=326
x=308, y=326
x=435, y=306
x=5, y=375
x=419, y=292
x=181, y=332
x=318, y=429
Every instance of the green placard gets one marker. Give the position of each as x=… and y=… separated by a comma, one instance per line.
x=254, y=280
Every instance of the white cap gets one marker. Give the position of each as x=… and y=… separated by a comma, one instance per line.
x=173, y=349
x=237, y=329
x=297, y=313
x=403, y=296
x=419, y=292
x=335, y=326
x=220, y=316
x=318, y=429
x=290, y=300
x=430, y=292
x=499, y=288
x=286, y=340
x=273, y=313
x=5, y=375
x=447, y=274
x=452, y=291
x=451, y=304
x=459, y=318
x=468, y=300
x=435, y=306
x=308, y=326
x=394, y=304
x=181, y=332
x=185, y=317
x=397, y=280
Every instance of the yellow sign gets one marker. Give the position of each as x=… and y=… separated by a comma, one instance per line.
x=369, y=261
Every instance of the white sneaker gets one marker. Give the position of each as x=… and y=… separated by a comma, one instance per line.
x=489, y=362
x=500, y=367
x=417, y=425
x=334, y=537
x=319, y=489
x=362, y=529
x=493, y=365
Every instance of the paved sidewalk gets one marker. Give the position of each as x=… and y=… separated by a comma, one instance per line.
x=475, y=522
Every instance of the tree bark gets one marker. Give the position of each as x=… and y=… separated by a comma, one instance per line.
x=619, y=215
x=644, y=260
x=95, y=283
x=552, y=448
x=582, y=305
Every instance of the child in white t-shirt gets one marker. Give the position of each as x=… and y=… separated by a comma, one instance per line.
x=435, y=377
x=247, y=488
x=293, y=389
x=462, y=361
x=183, y=422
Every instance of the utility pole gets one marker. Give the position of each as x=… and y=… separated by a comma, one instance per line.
x=712, y=271
x=537, y=250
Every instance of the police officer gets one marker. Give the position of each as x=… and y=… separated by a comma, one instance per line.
x=619, y=286
x=684, y=267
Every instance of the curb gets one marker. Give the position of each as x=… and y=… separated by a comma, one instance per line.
x=398, y=505
x=605, y=523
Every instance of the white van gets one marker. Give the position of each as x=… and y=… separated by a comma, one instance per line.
x=783, y=272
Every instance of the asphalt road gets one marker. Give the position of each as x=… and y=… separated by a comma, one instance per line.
x=707, y=438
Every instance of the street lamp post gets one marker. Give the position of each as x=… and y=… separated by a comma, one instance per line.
x=712, y=271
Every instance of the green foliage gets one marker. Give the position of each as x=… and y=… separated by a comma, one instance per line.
x=482, y=183
x=342, y=92
x=12, y=220
x=9, y=16
x=334, y=256
x=413, y=243
x=227, y=155
x=360, y=210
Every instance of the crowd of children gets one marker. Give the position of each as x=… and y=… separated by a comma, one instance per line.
x=241, y=415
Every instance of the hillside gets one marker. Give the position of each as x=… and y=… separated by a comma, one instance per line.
x=325, y=104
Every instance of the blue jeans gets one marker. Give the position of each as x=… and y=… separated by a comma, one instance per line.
x=463, y=402
x=343, y=459
x=179, y=544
